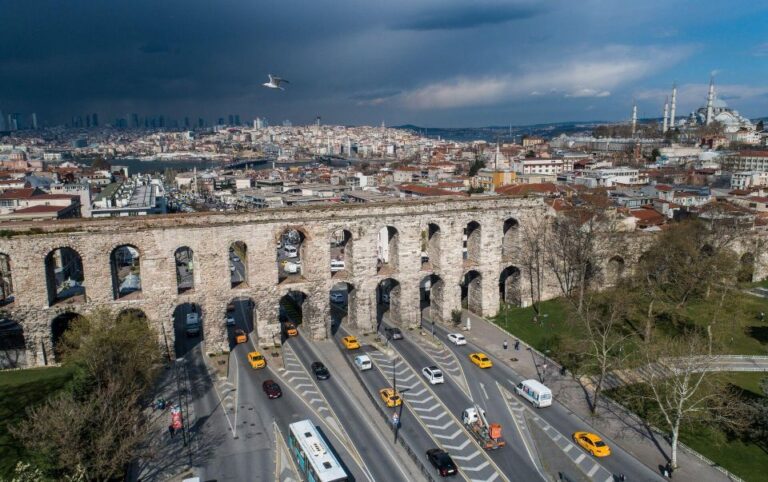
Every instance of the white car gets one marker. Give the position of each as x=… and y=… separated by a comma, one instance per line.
x=236, y=258
x=337, y=265
x=363, y=362
x=433, y=374
x=292, y=268
x=291, y=251
x=230, y=321
x=457, y=339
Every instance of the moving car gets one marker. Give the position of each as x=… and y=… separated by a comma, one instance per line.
x=393, y=333
x=350, y=343
x=272, y=389
x=363, y=362
x=320, y=371
x=337, y=297
x=230, y=320
x=240, y=336
x=291, y=267
x=593, y=444
x=433, y=374
x=442, y=461
x=290, y=328
x=256, y=360
x=291, y=251
x=390, y=397
x=457, y=339
x=481, y=360
x=337, y=265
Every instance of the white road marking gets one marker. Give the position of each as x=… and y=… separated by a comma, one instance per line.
x=482, y=387
x=567, y=448
x=457, y=447
x=580, y=458
x=477, y=468
x=592, y=471
x=466, y=458
x=440, y=427
x=449, y=437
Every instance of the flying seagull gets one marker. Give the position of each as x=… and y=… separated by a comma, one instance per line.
x=274, y=82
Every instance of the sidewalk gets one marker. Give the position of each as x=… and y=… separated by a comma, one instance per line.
x=648, y=447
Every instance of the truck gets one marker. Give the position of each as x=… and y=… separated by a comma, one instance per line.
x=488, y=435
x=193, y=324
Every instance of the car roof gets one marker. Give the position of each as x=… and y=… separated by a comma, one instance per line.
x=433, y=368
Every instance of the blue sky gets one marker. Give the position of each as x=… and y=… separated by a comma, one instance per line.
x=427, y=62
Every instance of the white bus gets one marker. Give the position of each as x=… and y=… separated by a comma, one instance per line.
x=535, y=392
x=315, y=461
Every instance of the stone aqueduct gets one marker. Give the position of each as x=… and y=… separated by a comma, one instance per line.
x=493, y=251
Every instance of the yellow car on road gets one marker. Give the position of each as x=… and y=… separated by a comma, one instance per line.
x=390, y=397
x=257, y=360
x=481, y=360
x=593, y=444
x=350, y=342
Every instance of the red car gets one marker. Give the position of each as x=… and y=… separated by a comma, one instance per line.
x=272, y=389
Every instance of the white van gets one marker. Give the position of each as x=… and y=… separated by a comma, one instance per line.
x=535, y=392
x=363, y=362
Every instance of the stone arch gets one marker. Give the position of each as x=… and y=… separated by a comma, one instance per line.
x=472, y=243
x=387, y=250
x=343, y=301
x=510, y=281
x=472, y=292
x=511, y=238
x=59, y=325
x=341, y=249
x=64, y=276
x=238, y=264
x=292, y=308
x=13, y=344
x=241, y=315
x=186, y=334
x=185, y=262
x=430, y=247
x=125, y=266
x=6, y=279
x=615, y=270
x=289, y=254
x=388, y=302
x=746, y=273
x=431, y=298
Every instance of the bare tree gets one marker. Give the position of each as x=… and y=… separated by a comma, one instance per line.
x=534, y=238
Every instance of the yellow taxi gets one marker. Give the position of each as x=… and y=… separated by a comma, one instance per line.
x=593, y=444
x=481, y=360
x=291, y=330
x=257, y=360
x=240, y=337
x=350, y=342
x=390, y=397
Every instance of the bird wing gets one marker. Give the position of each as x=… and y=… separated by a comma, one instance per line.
x=281, y=80
x=271, y=79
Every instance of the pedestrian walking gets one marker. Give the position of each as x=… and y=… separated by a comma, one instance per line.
x=517, y=345
x=762, y=316
x=505, y=344
x=171, y=430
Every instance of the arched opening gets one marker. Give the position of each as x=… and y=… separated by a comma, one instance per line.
x=341, y=253
x=238, y=265
x=13, y=346
x=343, y=298
x=472, y=244
x=240, y=317
x=64, y=276
x=614, y=270
x=289, y=252
x=59, y=326
x=510, y=242
x=188, y=329
x=431, y=298
x=185, y=269
x=291, y=312
x=746, y=272
x=472, y=292
x=387, y=251
x=430, y=248
x=509, y=286
x=388, y=302
x=6, y=281
x=126, y=272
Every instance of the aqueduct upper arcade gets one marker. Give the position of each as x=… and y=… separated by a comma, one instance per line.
x=406, y=259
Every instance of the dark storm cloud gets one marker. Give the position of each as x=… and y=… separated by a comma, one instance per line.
x=467, y=16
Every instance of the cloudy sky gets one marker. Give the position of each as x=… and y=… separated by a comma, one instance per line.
x=426, y=62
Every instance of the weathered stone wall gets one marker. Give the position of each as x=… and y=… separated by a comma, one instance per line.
x=210, y=235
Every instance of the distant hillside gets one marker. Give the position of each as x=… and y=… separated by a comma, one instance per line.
x=502, y=133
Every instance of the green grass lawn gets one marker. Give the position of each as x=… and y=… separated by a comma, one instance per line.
x=18, y=390
x=519, y=322
x=741, y=331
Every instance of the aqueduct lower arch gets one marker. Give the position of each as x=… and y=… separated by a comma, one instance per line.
x=209, y=237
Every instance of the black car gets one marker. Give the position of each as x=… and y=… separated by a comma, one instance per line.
x=321, y=373
x=272, y=389
x=442, y=462
x=393, y=333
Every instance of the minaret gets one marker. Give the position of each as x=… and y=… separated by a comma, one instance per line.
x=710, y=100
x=634, y=118
x=666, y=114
x=496, y=160
x=673, y=107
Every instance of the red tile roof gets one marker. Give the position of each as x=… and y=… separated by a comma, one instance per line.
x=40, y=209
x=664, y=187
x=25, y=193
x=425, y=190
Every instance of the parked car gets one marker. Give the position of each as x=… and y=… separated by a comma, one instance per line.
x=320, y=371
x=433, y=374
x=272, y=389
x=393, y=333
x=457, y=339
x=442, y=461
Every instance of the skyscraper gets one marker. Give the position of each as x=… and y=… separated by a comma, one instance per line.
x=34, y=120
x=3, y=126
x=135, y=121
x=94, y=120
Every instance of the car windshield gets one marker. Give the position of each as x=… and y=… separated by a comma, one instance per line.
x=258, y=357
x=599, y=443
x=482, y=358
x=444, y=459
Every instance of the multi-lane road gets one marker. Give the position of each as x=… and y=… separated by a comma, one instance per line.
x=347, y=409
